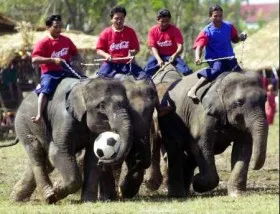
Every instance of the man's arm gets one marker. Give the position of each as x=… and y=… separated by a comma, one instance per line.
x=177, y=53
x=105, y=55
x=198, y=53
x=157, y=56
x=37, y=60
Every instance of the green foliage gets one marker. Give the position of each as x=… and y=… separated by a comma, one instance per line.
x=92, y=16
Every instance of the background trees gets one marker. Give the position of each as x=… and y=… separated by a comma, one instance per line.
x=91, y=16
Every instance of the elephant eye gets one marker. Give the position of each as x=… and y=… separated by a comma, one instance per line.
x=238, y=103
x=101, y=106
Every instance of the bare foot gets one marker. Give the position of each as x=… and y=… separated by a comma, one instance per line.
x=192, y=95
x=36, y=119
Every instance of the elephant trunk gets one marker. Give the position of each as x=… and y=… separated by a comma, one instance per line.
x=259, y=131
x=121, y=123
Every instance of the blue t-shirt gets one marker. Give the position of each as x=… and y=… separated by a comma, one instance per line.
x=217, y=40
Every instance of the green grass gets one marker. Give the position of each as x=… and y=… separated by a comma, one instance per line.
x=262, y=195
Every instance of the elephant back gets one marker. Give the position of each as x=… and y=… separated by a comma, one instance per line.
x=167, y=74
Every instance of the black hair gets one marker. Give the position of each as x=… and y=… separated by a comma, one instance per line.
x=214, y=8
x=117, y=9
x=51, y=18
x=163, y=13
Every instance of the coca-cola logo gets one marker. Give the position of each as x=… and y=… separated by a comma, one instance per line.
x=118, y=46
x=166, y=43
x=59, y=54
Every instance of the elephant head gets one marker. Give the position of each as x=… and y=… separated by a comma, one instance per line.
x=238, y=100
x=103, y=104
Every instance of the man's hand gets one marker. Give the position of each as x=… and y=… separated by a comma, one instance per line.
x=242, y=36
x=58, y=61
x=172, y=58
x=108, y=58
x=160, y=63
x=132, y=52
x=198, y=61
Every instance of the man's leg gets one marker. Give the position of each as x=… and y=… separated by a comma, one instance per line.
x=192, y=92
x=42, y=100
x=182, y=67
x=151, y=67
x=106, y=70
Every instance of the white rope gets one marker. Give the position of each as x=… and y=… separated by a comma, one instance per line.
x=213, y=60
x=72, y=70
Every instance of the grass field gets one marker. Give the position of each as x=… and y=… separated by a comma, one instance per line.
x=262, y=195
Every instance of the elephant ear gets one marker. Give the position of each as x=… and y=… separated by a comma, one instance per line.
x=75, y=102
x=212, y=103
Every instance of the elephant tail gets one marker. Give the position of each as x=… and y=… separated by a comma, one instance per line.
x=10, y=144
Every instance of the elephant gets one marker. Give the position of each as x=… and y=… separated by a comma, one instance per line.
x=230, y=110
x=157, y=172
x=142, y=99
x=78, y=111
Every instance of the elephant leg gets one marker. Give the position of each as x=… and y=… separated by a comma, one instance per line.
x=67, y=166
x=107, y=185
x=24, y=188
x=240, y=159
x=129, y=187
x=38, y=161
x=175, y=171
x=173, y=143
x=91, y=176
x=154, y=176
x=207, y=178
x=189, y=167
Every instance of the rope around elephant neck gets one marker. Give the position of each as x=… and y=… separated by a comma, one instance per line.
x=72, y=70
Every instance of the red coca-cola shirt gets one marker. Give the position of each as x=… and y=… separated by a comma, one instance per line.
x=118, y=43
x=61, y=47
x=165, y=41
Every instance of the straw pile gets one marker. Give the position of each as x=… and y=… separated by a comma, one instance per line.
x=261, y=50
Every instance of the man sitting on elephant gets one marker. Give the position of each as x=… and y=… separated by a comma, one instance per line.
x=50, y=53
x=216, y=37
x=166, y=43
x=119, y=41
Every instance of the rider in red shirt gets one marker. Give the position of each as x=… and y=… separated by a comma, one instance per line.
x=50, y=53
x=166, y=43
x=119, y=41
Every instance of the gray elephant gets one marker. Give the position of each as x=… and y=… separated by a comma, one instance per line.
x=231, y=109
x=157, y=172
x=77, y=113
x=142, y=99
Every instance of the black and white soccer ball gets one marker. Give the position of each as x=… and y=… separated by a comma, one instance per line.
x=107, y=145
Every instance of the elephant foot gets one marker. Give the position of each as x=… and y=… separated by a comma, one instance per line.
x=112, y=197
x=200, y=184
x=153, y=183
x=22, y=193
x=17, y=197
x=176, y=194
x=234, y=192
x=49, y=195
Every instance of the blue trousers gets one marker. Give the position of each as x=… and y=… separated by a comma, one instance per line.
x=217, y=67
x=51, y=79
x=152, y=65
x=110, y=69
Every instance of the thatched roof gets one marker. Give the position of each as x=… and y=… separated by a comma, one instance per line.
x=261, y=50
x=6, y=24
x=14, y=44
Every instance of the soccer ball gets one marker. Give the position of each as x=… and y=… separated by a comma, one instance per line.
x=106, y=145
